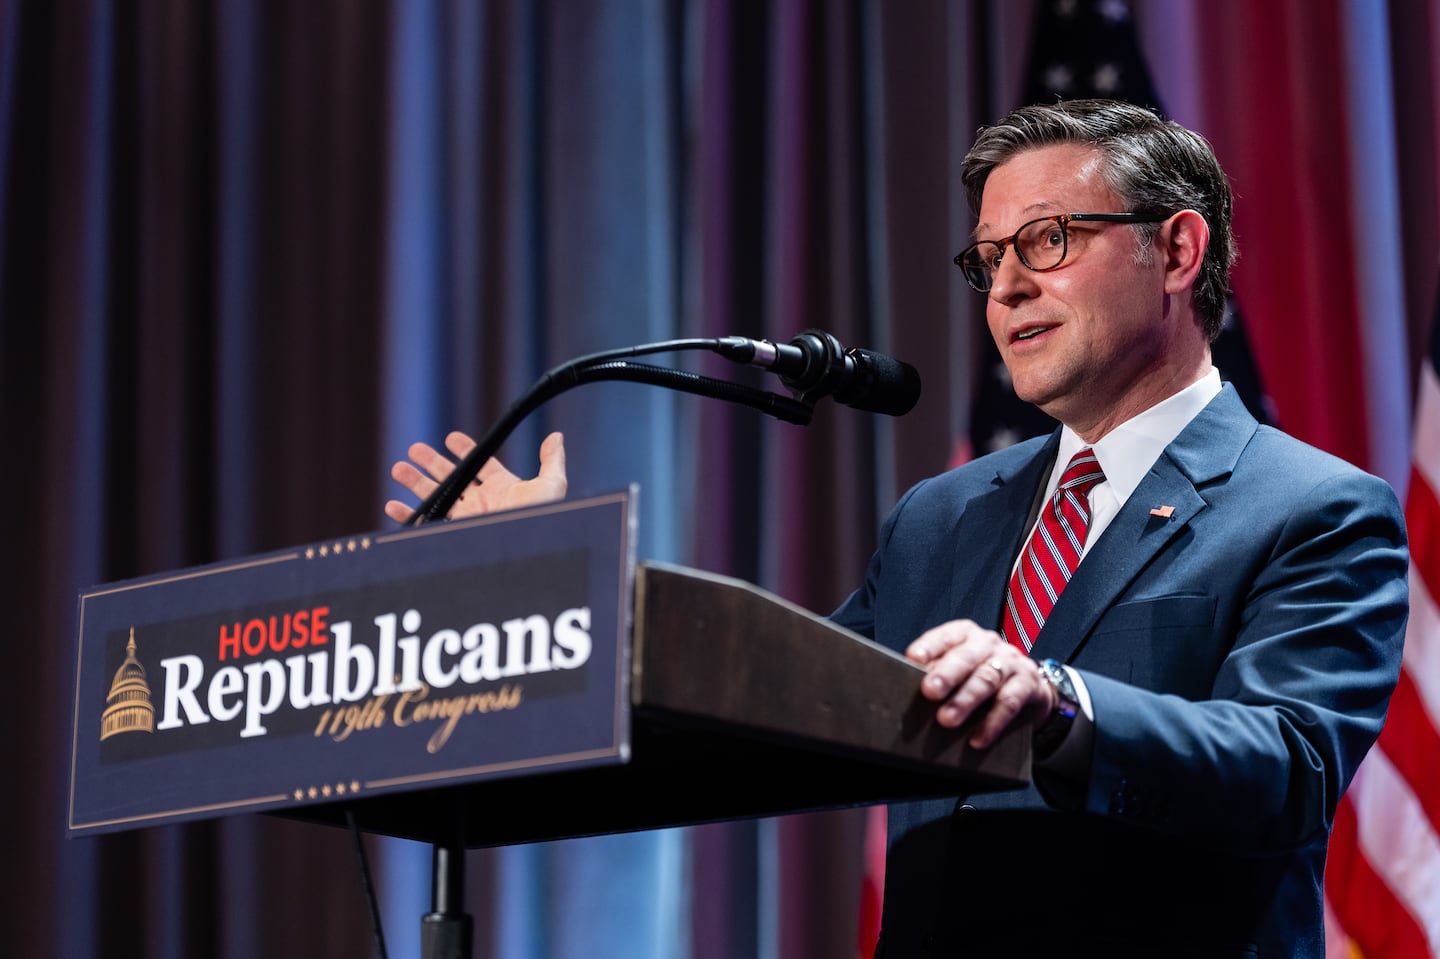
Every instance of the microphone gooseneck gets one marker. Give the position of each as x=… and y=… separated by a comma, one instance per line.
x=813, y=365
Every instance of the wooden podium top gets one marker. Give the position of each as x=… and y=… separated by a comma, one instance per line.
x=744, y=706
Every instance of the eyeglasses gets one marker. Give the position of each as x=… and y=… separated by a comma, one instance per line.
x=1040, y=244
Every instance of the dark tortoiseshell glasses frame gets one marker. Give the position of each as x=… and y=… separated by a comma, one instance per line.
x=981, y=259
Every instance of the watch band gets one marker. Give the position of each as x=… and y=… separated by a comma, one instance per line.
x=1052, y=732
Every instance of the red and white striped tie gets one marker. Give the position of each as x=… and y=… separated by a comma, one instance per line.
x=1053, y=552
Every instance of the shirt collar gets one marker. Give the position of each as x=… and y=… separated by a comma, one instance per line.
x=1127, y=452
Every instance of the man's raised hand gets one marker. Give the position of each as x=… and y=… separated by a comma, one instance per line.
x=495, y=487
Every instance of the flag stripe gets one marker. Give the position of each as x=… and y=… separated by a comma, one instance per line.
x=1422, y=657
x=1364, y=905
x=1422, y=515
x=1410, y=742
x=1422, y=519
x=1400, y=846
x=1426, y=456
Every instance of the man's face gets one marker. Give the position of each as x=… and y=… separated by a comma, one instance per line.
x=1091, y=342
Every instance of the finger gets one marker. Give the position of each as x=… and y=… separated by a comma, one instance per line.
x=460, y=444
x=398, y=511
x=412, y=479
x=430, y=460
x=939, y=640
x=962, y=687
x=947, y=675
x=1013, y=699
x=552, y=465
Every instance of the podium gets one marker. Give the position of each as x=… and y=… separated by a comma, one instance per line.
x=462, y=683
x=743, y=706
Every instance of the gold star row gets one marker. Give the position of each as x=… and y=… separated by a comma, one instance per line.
x=337, y=547
x=326, y=791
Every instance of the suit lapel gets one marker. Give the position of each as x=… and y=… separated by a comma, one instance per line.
x=1205, y=452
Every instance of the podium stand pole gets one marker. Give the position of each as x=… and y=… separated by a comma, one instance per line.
x=446, y=931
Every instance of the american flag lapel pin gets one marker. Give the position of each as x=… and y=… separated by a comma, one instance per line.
x=1162, y=511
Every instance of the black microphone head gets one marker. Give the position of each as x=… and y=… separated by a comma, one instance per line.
x=879, y=384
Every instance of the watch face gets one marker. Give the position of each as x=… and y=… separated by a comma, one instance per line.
x=1056, y=675
x=1053, y=730
x=1060, y=679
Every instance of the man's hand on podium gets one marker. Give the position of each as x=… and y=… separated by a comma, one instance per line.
x=495, y=487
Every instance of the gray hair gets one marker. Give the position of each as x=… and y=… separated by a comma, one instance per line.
x=1153, y=165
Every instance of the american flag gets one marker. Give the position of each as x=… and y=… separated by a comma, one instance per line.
x=1382, y=879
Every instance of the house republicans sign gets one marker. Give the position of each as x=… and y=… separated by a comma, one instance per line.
x=445, y=653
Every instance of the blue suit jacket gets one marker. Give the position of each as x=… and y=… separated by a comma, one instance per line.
x=1240, y=654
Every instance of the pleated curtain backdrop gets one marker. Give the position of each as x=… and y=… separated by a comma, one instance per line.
x=251, y=251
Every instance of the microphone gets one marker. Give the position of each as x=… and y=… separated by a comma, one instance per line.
x=814, y=364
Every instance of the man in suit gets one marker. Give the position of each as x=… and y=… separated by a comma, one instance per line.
x=1206, y=632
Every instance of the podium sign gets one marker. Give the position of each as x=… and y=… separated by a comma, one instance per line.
x=449, y=653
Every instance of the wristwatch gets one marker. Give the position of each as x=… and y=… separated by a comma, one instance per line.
x=1052, y=732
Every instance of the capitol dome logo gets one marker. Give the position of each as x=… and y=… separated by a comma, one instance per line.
x=128, y=708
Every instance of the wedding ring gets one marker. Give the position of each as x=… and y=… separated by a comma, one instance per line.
x=999, y=670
